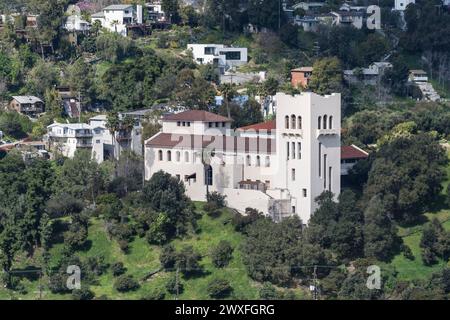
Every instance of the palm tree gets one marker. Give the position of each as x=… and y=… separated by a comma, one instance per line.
x=228, y=92
x=114, y=24
x=113, y=125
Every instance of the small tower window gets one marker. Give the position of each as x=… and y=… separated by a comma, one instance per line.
x=330, y=122
x=286, y=122
x=160, y=155
x=299, y=122
x=319, y=122
x=293, y=122
x=324, y=121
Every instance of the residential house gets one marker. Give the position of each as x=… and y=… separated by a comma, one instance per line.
x=28, y=105
x=417, y=76
x=66, y=138
x=116, y=17
x=219, y=55
x=309, y=6
x=353, y=18
x=368, y=76
x=75, y=21
x=70, y=102
x=308, y=23
x=279, y=175
x=350, y=155
x=300, y=76
x=155, y=12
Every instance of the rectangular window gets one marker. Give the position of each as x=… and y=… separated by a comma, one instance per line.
x=178, y=123
x=293, y=174
x=329, y=178
x=299, y=150
x=210, y=124
x=287, y=153
x=293, y=150
x=324, y=171
x=178, y=177
x=293, y=209
x=209, y=50
x=231, y=55
x=320, y=159
x=305, y=194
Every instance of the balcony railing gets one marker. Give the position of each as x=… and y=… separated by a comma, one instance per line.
x=326, y=132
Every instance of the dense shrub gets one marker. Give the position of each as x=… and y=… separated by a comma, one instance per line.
x=219, y=288
x=222, y=254
x=125, y=283
x=118, y=269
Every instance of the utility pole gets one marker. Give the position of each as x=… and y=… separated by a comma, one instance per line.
x=177, y=283
x=315, y=283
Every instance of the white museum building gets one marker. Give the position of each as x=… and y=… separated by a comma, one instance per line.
x=278, y=171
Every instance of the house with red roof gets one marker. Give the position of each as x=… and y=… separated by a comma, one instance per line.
x=278, y=167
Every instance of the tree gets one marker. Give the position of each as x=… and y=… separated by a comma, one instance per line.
x=118, y=269
x=407, y=173
x=188, y=261
x=380, y=235
x=222, y=254
x=435, y=242
x=219, y=288
x=165, y=195
x=174, y=285
x=327, y=76
x=171, y=9
x=125, y=283
x=193, y=92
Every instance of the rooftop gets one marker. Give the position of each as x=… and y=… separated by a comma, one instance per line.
x=118, y=7
x=27, y=99
x=196, y=115
x=73, y=126
x=353, y=152
x=268, y=125
x=219, y=143
x=303, y=69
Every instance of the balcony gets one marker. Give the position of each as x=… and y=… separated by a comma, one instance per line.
x=83, y=134
x=84, y=144
x=326, y=132
x=293, y=132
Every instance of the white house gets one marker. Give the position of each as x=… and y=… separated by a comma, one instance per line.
x=354, y=18
x=66, y=138
x=116, y=17
x=400, y=5
x=280, y=174
x=155, y=12
x=74, y=21
x=219, y=55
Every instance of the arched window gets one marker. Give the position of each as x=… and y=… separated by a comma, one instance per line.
x=258, y=161
x=169, y=155
x=186, y=156
x=208, y=175
x=248, y=161
x=293, y=122
x=267, y=161
x=160, y=156
x=324, y=121
x=330, y=122
x=286, y=122
x=299, y=122
x=178, y=156
x=319, y=122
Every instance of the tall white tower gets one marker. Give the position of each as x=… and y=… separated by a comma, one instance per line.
x=308, y=148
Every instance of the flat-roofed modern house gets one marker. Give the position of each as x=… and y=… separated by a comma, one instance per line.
x=279, y=173
x=219, y=55
x=28, y=105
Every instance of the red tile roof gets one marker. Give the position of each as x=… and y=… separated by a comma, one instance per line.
x=220, y=143
x=353, y=152
x=196, y=115
x=303, y=69
x=268, y=125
